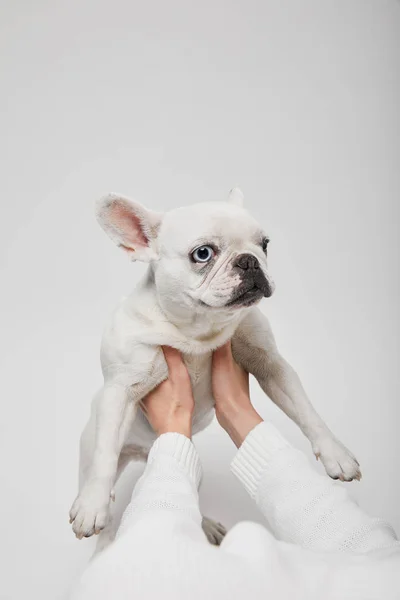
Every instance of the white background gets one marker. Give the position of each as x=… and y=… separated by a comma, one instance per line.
x=173, y=103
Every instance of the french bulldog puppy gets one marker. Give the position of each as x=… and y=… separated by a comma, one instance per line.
x=207, y=272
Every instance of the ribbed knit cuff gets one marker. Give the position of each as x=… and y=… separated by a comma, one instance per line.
x=255, y=453
x=180, y=448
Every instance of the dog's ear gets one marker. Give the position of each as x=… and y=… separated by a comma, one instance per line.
x=236, y=197
x=130, y=225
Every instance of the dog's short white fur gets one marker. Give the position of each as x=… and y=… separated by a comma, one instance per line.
x=207, y=271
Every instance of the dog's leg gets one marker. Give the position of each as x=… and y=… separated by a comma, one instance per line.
x=107, y=536
x=115, y=412
x=254, y=347
x=87, y=443
x=214, y=531
x=128, y=454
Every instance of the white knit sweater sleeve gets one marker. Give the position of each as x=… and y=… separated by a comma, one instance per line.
x=160, y=532
x=170, y=482
x=300, y=505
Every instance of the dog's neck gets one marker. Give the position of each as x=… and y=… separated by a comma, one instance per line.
x=201, y=326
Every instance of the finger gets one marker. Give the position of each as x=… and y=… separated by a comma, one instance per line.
x=172, y=355
x=174, y=360
x=142, y=405
x=223, y=354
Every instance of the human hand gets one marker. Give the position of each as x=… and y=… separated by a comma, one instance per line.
x=230, y=384
x=169, y=407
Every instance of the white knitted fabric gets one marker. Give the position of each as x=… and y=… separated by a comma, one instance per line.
x=305, y=508
x=337, y=552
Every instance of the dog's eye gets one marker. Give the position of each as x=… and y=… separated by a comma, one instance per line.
x=265, y=243
x=203, y=254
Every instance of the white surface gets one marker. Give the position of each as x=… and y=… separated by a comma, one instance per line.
x=297, y=102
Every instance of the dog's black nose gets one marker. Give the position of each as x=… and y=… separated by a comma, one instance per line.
x=246, y=262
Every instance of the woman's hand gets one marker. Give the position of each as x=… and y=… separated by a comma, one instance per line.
x=169, y=407
x=233, y=407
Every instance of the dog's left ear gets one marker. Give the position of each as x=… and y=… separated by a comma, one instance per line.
x=236, y=197
x=130, y=225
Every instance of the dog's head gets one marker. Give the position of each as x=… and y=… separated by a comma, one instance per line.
x=208, y=256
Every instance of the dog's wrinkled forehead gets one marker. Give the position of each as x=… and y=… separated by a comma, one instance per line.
x=218, y=222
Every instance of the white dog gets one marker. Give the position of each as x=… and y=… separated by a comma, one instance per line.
x=207, y=271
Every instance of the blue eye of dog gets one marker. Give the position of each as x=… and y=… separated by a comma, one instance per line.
x=203, y=254
x=265, y=243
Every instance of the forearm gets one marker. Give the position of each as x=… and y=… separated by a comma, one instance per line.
x=301, y=506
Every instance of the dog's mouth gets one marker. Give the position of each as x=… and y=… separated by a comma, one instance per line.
x=250, y=292
x=242, y=299
x=246, y=298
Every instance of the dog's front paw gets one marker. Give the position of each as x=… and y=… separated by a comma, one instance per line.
x=339, y=462
x=215, y=532
x=89, y=512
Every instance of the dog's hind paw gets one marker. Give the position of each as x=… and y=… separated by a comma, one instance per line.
x=339, y=462
x=89, y=512
x=215, y=532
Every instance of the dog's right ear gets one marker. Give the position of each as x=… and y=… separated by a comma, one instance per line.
x=130, y=225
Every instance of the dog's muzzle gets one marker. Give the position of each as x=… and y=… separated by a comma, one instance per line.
x=254, y=285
